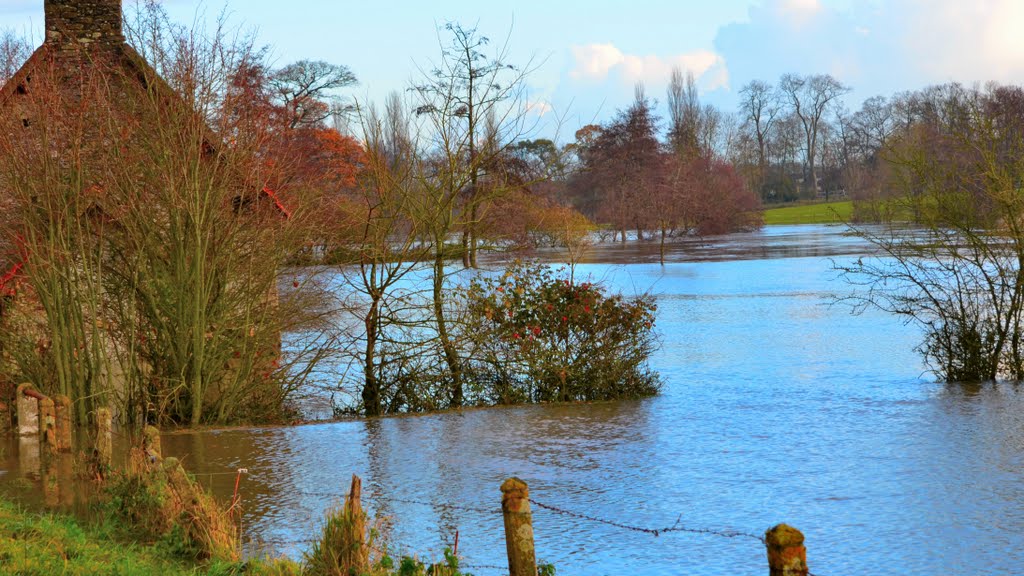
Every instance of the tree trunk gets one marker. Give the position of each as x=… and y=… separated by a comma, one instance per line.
x=371, y=386
x=662, y=247
x=450, y=354
x=474, y=213
x=465, y=247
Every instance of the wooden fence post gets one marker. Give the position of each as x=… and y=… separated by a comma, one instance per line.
x=48, y=425
x=64, y=428
x=28, y=411
x=104, y=439
x=357, y=559
x=786, y=553
x=515, y=507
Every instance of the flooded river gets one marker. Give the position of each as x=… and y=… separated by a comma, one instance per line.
x=776, y=408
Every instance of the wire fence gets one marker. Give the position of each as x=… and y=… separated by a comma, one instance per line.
x=676, y=527
x=654, y=531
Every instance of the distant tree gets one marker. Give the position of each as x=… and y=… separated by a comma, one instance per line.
x=14, y=51
x=622, y=167
x=684, y=113
x=759, y=108
x=468, y=86
x=306, y=90
x=810, y=97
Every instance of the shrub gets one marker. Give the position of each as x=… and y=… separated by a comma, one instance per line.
x=540, y=337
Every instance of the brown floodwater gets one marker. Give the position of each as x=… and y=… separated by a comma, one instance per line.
x=776, y=408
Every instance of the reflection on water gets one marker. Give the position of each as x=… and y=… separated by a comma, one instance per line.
x=777, y=407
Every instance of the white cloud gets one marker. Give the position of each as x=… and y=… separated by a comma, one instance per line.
x=798, y=12
x=596, y=62
x=965, y=40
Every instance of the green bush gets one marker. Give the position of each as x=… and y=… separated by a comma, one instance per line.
x=540, y=337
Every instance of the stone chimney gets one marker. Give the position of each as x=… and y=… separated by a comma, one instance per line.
x=83, y=21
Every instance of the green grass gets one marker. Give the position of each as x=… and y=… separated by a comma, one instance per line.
x=823, y=213
x=34, y=544
x=48, y=544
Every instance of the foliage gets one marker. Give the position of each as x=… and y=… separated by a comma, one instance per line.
x=959, y=275
x=543, y=338
x=155, y=261
x=630, y=180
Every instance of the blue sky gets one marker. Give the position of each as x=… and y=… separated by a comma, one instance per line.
x=590, y=54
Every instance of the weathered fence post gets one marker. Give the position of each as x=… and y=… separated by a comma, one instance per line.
x=48, y=425
x=358, y=559
x=28, y=411
x=515, y=507
x=786, y=553
x=64, y=428
x=104, y=439
x=151, y=443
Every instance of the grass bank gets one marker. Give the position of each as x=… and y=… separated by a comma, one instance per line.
x=822, y=213
x=43, y=544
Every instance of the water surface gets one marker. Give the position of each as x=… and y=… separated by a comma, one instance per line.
x=777, y=408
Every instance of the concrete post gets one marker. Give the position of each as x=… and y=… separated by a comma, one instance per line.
x=28, y=411
x=104, y=439
x=357, y=558
x=48, y=425
x=64, y=428
x=28, y=454
x=515, y=506
x=786, y=553
x=151, y=443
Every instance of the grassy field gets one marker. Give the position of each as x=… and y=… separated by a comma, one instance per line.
x=824, y=213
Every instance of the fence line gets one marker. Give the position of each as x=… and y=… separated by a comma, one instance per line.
x=786, y=551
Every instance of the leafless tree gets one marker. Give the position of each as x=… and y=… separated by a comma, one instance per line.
x=14, y=51
x=759, y=108
x=810, y=97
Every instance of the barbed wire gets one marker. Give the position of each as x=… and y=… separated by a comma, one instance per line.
x=376, y=496
x=676, y=527
x=726, y=533
x=504, y=569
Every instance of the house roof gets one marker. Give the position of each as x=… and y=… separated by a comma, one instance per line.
x=82, y=31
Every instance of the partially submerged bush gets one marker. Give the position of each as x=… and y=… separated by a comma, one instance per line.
x=156, y=500
x=346, y=548
x=541, y=337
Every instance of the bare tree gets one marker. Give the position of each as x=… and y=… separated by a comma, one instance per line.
x=810, y=97
x=684, y=113
x=466, y=87
x=760, y=107
x=473, y=109
x=14, y=51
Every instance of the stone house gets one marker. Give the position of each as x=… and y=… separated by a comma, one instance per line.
x=84, y=38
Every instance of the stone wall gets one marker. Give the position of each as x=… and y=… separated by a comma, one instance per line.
x=83, y=21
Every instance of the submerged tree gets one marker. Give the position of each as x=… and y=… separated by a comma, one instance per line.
x=961, y=275
x=473, y=109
